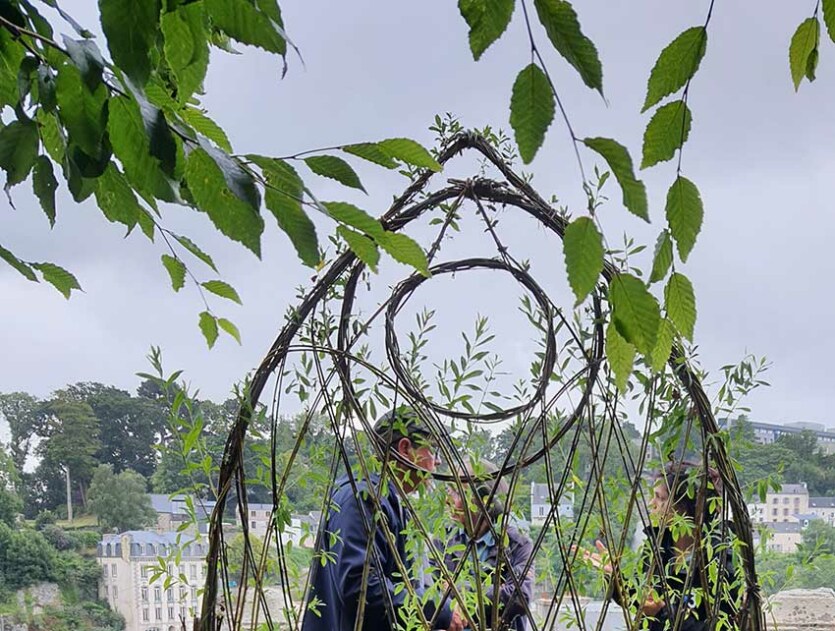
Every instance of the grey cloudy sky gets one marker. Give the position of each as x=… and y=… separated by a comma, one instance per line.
x=761, y=155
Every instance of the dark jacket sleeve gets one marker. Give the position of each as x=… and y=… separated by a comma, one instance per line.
x=513, y=600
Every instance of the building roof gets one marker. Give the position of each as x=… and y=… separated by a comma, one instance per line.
x=784, y=527
x=793, y=489
x=176, y=505
x=822, y=502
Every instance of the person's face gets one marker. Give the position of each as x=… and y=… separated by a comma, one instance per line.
x=659, y=503
x=423, y=455
x=457, y=506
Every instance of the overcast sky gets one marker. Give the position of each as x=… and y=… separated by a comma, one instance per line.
x=761, y=155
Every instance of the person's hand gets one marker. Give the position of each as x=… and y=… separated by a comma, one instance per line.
x=599, y=559
x=457, y=623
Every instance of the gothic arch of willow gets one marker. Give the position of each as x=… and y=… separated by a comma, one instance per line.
x=553, y=414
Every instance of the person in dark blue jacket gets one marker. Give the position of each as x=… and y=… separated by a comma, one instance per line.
x=364, y=526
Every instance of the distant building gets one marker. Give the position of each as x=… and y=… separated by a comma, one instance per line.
x=301, y=530
x=782, y=536
x=767, y=433
x=541, y=503
x=128, y=562
x=824, y=508
x=781, y=506
x=173, y=511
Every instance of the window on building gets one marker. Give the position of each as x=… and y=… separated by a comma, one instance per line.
x=774, y=512
x=144, y=592
x=169, y=595
x=113, y=570
x=106, y=592
x=145, y=616
x=157, y=594
x=253, y=525
x=193, y=594
x=143, y=572
x=104, y=569
x=785, y=511
x=158, y=613
x=182, y=594
x=183, y=613
x=192, y=571
x=115, y=593
x=171, y=613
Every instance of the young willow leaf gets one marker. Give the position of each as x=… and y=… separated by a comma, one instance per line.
x=365, y=249
x=18, y=150
x=829, y=17
x=208, y=326
x=583, y=249
x=44, y=186
x=408, y=151
x=663, y=258
x=684, y=214
x=676, y=65
x=619, y=161
x=371, y=151
x=244, y=21
x=563, y=29
x=405, y=250
x=24, y=268
x=666, y=132
x=335, y=169
x=635, y=312
x=803, y=46
x=680, y=302
x=176, y=270
x=222, y=289
x=58, y=277
x=487, y=19
x=186, y=47
x=191, y=246
x=131, y=29
x=621, y=356
x=229, y=327
x=531, y=110
x=663, y=345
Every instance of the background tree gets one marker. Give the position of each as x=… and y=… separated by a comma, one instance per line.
x=22, y=413
x=10, y=502
x=120, y=500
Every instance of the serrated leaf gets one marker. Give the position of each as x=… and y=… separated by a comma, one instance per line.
x=186, y=47
x=44, y=186
x=371, y=152
x=405, y=250
x=17, y=264
x=283, y=197
x=355, y=217
x=208, y=326
x=11, y=54
x=408, y=151
x=531, y=110
x=663, y=345
x=621, y=356
x=116, y=198
x=684, y=214
x=58, y=277
x=680, y=302
x=146, y=224
x=192, y=247
x=365, y=249
x=82, y=111
x=237, y=219
x=563, y=29
x=804, y=43
x=202, y=124
x=222, y=289
x=335, y=169
x=619, y=161
x=176, y=270
x=18, y=150
x=666, y=132
x=635, y=312
x=87, y=58
x=487, y=19
x=245, y=22
x=663, y=258
x=829, y=17
x=583, y=249
x=131, y=29
x=230, y=328
x=676, y=65
x=51, y=135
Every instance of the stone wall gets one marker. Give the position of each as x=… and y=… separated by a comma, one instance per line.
x=807, y=609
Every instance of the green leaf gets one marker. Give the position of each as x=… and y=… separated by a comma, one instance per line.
x=362, y=246
x=191, y=246
x=666, y=132
x=58, y=277
x=531, y=110
x=663, y=345
x=116, y=198
x=222, y=289
x=186, y=47
x=202, y=124
x=583, y=249
x=563, y=29
x=405, y=250
x=283, y=198
x=336, y=169
x=371, y=152
x=684, y=214
x=87, y=58
x=635, y=312
x=676, y=65
x=829, y=17
x=11, y=54
x=17, y=264
x=245, y=22
x=352, y=216
x=663, y=258
x=44, y=185
x=410, y=152
x=804, y=43
x=619, y=161
x=230, y=328
x=146, y=224
x=176, y=270
x=680, y=302
x=131, y=29
x=487, y=19
x=232, y=210
x=208, y=326
x=621, y=356
x=18, y=150
x=82, y=111
x=51, y=135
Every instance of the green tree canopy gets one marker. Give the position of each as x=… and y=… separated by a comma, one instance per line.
x=120, y=500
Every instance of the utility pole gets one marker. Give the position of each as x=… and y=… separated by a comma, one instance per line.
x=69, y=495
